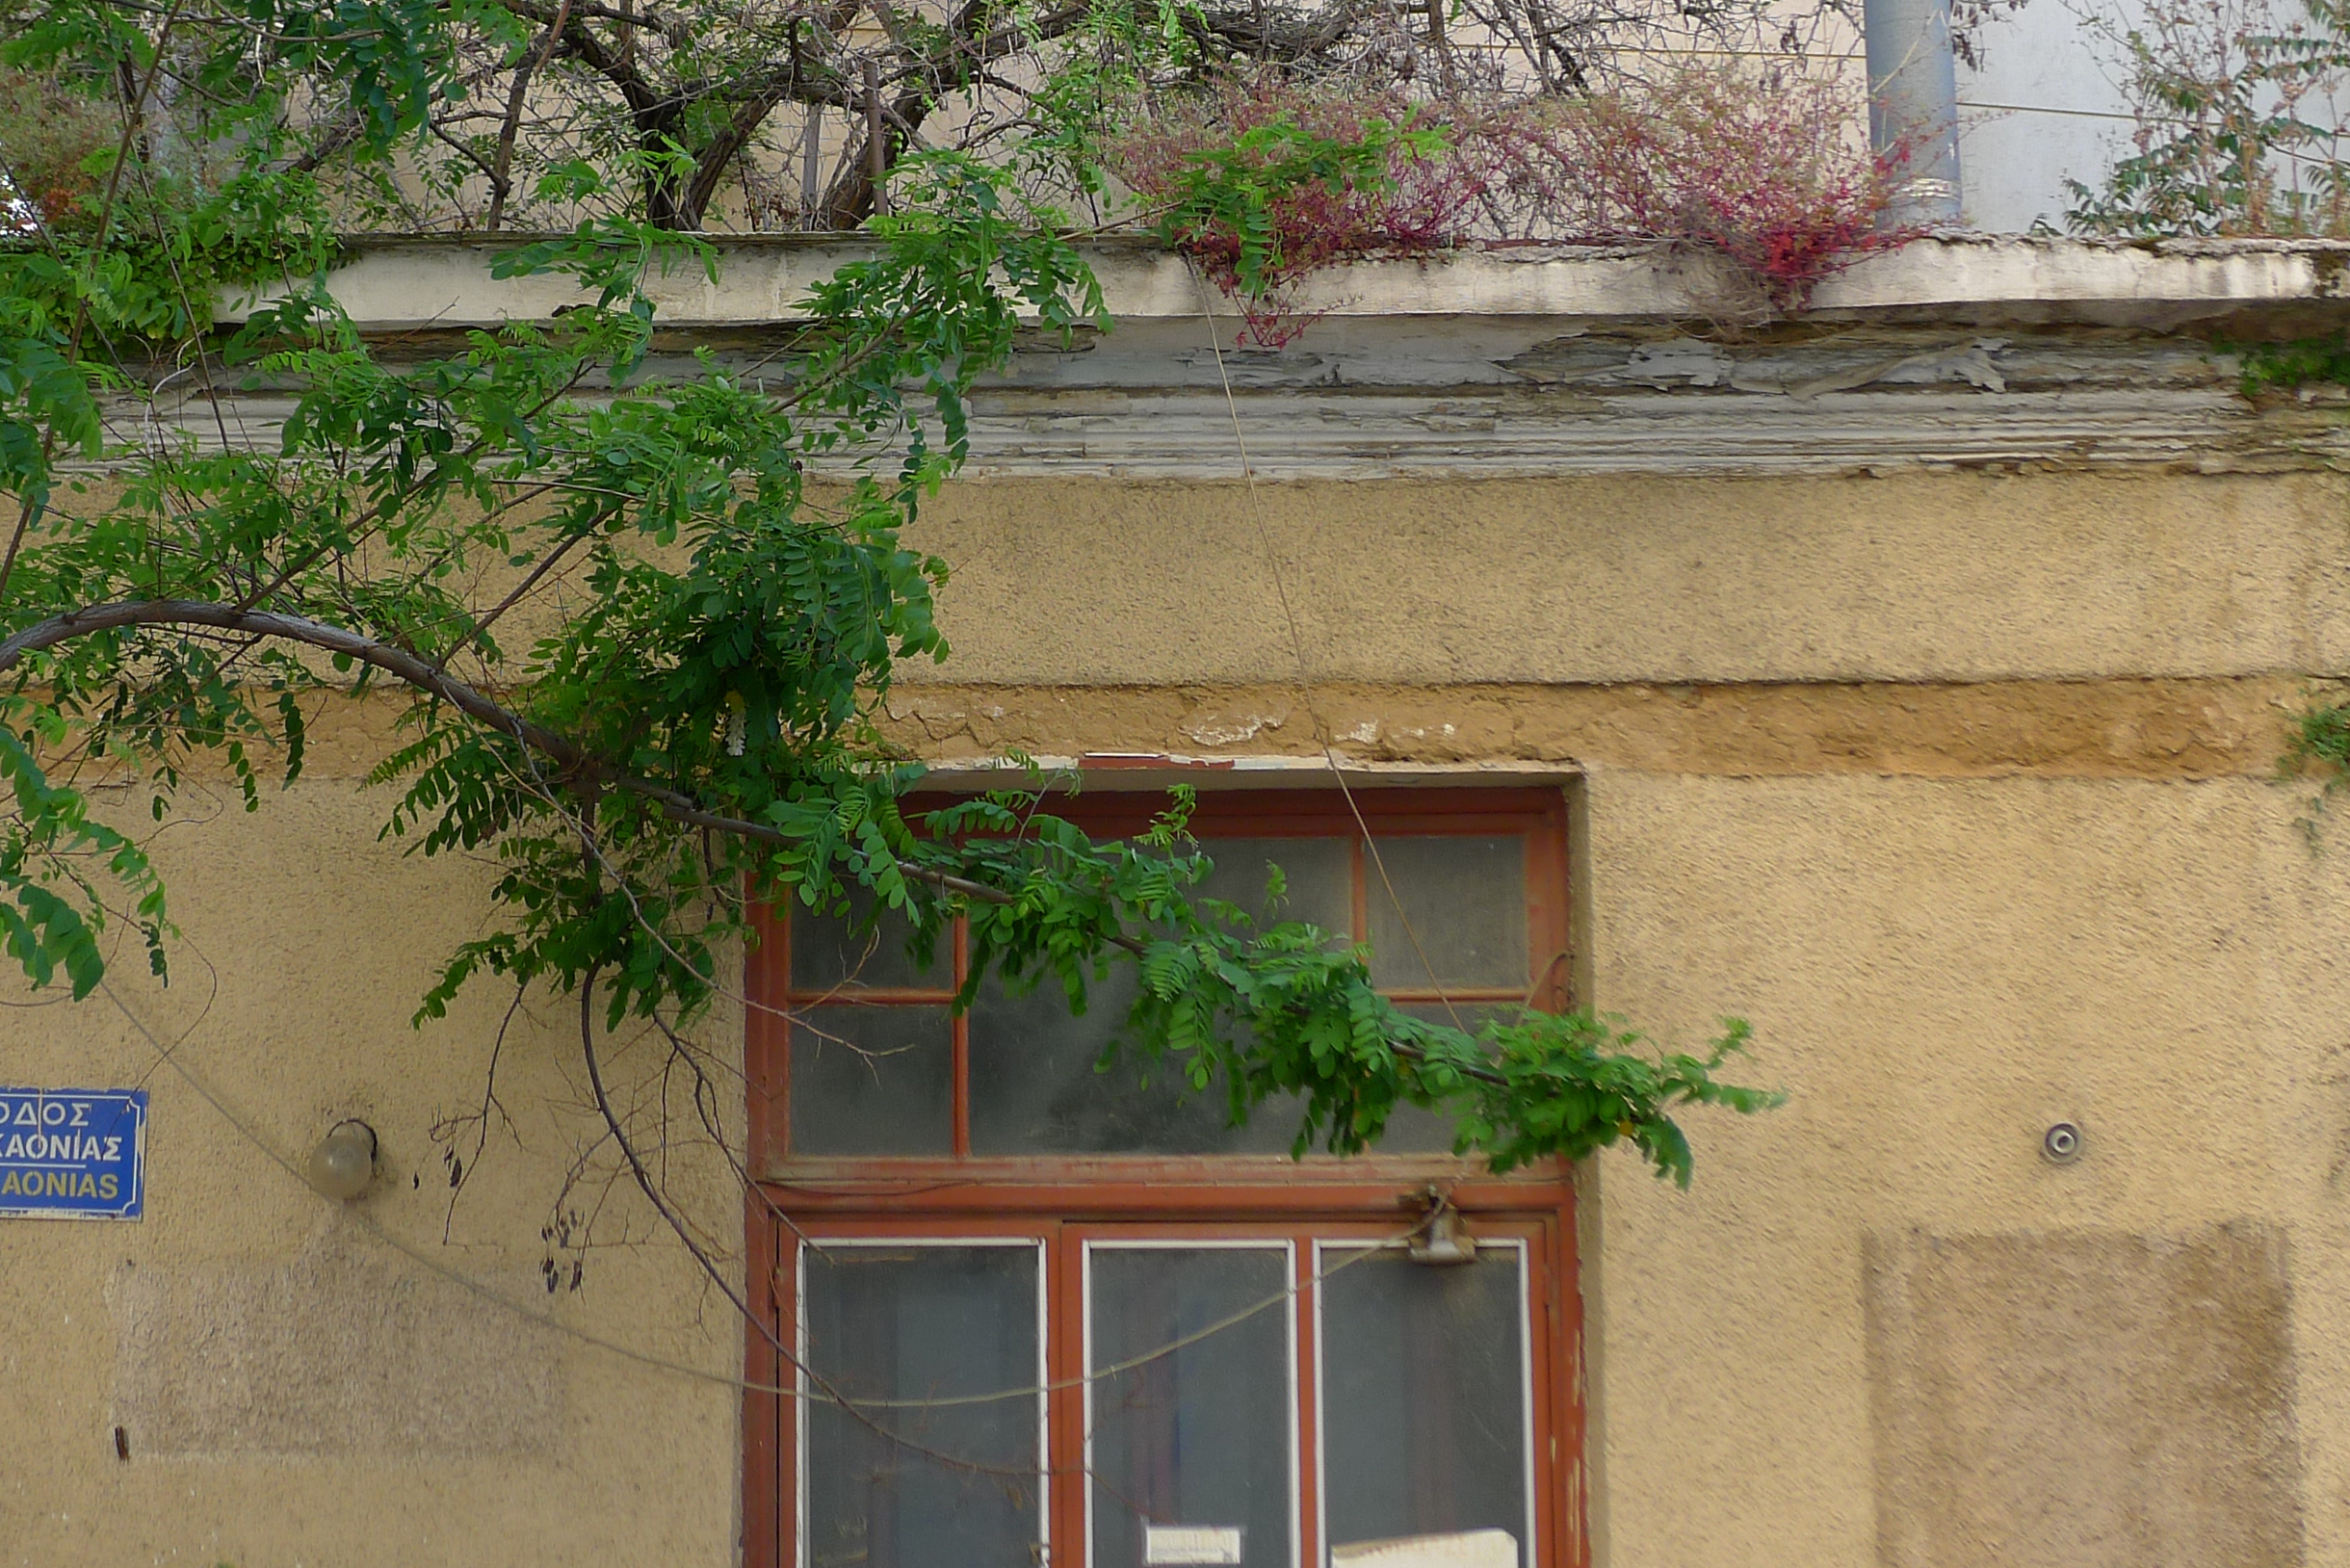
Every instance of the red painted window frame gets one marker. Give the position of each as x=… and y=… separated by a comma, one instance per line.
x=1067, y=1197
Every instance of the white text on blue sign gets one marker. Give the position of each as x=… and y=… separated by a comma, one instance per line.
x=72, y=1154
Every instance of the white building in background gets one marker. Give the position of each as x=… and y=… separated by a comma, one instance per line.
x=2047, y=105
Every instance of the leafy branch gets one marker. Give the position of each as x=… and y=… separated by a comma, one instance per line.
x=687, y=721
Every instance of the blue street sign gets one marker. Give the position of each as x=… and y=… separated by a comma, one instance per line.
x=72, y=1154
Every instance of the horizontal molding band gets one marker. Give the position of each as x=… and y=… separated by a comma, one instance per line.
x=2156, y=728
x=2123, y=728
x=1472, y=434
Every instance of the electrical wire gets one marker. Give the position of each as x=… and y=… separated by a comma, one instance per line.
x=169, y=1057
x=1298, y=646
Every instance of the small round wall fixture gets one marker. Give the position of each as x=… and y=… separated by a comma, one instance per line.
x=2060, y=1144
x=344, y=1162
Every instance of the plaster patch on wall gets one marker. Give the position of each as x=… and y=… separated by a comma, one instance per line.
x=2069, y=729
x=1212, y=726
x=344, y=1350
x=2087, y=1399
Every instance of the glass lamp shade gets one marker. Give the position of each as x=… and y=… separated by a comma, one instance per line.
x=344, y=1160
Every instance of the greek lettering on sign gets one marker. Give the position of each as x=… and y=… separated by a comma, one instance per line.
x=72, y=1154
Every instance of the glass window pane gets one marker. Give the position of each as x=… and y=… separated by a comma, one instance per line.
x=1422, y=1397
x=1417, y=1129
x=830, y=951
x=1317, y=873
x=1198, y=1438
x=1034, y=1088
x=898, y=1485
x=1463, y=897
x=871, y=1080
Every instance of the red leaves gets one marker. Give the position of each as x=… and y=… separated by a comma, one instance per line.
x=1769, y=169
x=1422, y=204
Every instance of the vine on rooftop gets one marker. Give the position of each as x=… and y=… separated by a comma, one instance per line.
x=1268, y=180
x=2240, y=129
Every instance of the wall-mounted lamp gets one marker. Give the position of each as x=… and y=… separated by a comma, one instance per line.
x=344, y=1160
x=1442, y=1239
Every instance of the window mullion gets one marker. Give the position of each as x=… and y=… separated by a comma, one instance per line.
x=1065, y=1425
x=960, y=1049
x=1305, y=1397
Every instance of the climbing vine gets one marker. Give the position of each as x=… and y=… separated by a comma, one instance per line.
x=2239, y=129
x=1268, y=180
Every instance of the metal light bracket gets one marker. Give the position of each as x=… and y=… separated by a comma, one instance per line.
x=1442, y=1241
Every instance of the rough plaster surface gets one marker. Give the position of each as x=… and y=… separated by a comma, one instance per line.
x=343, y=1350
x=1627, y=580
x=1950, y=785
x=2111, y=728
x=292, y=1388
x=2116, y=727
x=2095, y=1400
x=1936, y=971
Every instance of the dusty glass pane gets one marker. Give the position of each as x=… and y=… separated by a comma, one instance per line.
x=1034, y=1084
x=1464, y=899
x=1198, y=1437
x=1417, y=1129
x=872, y=1080
x=829, y=951
x=898, y=1486
x=1319, y=882
x=1034, y=1088
x=1424, y=1396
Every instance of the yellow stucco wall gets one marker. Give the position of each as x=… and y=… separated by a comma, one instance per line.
x=292, y=1389
x=1955, y=785
x=1941, y=969
x=1627, y=577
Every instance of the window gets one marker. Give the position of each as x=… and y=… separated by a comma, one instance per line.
x=1042, y=1312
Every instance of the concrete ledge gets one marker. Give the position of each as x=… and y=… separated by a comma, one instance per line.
x=397, y=284
x=2158, y=286
x=1959, y=351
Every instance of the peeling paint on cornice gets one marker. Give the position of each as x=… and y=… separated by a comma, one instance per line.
x=1954, y=351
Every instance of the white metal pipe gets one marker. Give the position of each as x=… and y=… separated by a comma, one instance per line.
x=1913, y=107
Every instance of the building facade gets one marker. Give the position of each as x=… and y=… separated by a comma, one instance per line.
x=1910, y=679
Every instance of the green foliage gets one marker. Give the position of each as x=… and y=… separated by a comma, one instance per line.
x=1288, y=1008
x=1081, y=105
x=51, y=137
x=2233, y=105
x=2284, y=367
x=2319, y=746
x=45, y=403
x=387, y=62
x=1230, y=196
x=51, y=841
x=157, y=273
x=689, y=720
x=394, y=59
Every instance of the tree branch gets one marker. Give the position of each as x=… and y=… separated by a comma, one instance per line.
x=515, y=99
x=575, y=764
